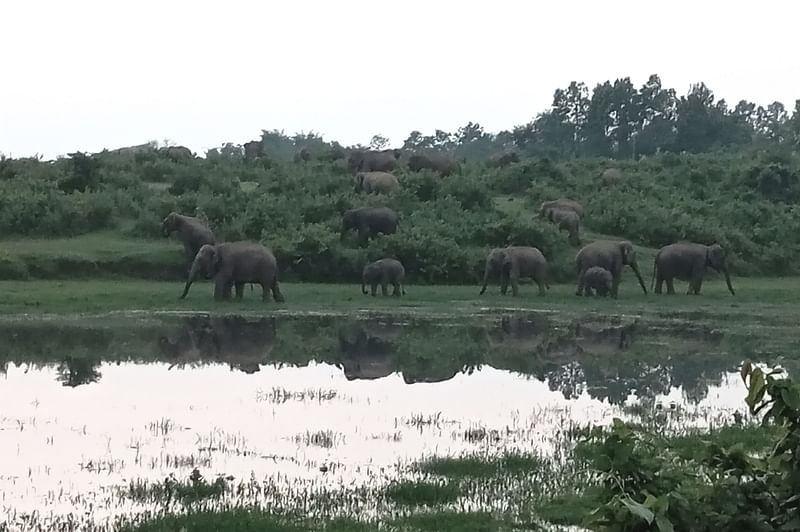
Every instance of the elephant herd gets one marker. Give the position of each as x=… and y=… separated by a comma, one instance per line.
x=598, y=265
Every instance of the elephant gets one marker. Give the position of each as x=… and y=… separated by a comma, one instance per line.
x=563, y=204
x=382, y=182
x=566, y=219
x=192, y=232
x=302, y=156
x=438, y=162
x=611, y=255
x=688, y=261
x=369, y=221
x=502, y=160
x=373, y=160
x=383, y=272
x=599, y=280
x=236, y=264
x=179, y=153
x=515, y=262
x=253, y=150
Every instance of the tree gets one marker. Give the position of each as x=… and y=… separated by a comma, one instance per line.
x=378, y=142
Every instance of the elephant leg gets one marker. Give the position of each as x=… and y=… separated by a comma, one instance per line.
x=514, y=284
x=615, y=286
x=239, y=290
x=659, y=282
x=579, y=289
x=265, y=288
x=276, y=292
x=219, y=288
x=374, y=287
x=540, y=282
x=670, y=286
x=396, y=291
x=503, y=283
x=384, y=287
x=696, y=281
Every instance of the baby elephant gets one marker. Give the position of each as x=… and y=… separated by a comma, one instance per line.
x=597, y=279
x=383, y=272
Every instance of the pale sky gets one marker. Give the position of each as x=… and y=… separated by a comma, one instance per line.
x=88, y=74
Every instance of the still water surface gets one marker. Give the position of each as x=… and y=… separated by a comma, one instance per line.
x=89, y=407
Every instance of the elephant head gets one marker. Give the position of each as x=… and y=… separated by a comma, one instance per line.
x=168, y=224
x=207, y=262
x=359, y=181
x=629, y=259
x=497, y=259
x=715, y=258
x=348, y=221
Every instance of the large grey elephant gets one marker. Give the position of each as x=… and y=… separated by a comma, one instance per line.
x=611, y=255
x=598, y=280
x=566, y=219
x=369, y=221
x=192, y=232
x=382, y=182
x=179, y=153
x=441, y=163
x=373, y=160
x=688, y=261
x=514, y=262
x=234, y=264
x=563, y=204
x=382, y=272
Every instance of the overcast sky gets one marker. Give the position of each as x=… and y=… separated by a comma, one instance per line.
x=88, y=74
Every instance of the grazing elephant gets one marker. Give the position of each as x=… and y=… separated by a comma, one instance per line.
x=503, y=160
x=563, y=204
x=236, y=264
x=515, y=262
x=373, y=160
x=192, y=232
x=179, y=153
x=382, y=182
x=253, y=150
x=369, y=221
x=438, y=162
x=566, y=219
x=611, y=255
x=598, y=279
x=688, y=261
x=383, y=272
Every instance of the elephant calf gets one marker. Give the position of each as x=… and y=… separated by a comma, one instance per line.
x=236, y=264
x=598, y=279
x=382, y=182
x=383, y=272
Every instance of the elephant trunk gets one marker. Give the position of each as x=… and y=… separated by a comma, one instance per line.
x=635, y=268
x=189, y=280
x=165, y=230
x=485, y=279
x=728, y=280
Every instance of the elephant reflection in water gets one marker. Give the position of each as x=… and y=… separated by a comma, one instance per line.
x=243, y=345
x=76, y=371
x=366, y=349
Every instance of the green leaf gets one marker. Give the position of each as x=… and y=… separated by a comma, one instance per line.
x=664, y=524
x=639, y=510
x=747, y=367
x=757, y=388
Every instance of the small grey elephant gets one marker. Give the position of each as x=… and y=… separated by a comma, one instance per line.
x=563, y=204
x=383, y=272
x=192, y=232
x=382, y=182
x=688, y=261
x=599, y=280
x=234, y=264
x=369, y=221
x=514, y=262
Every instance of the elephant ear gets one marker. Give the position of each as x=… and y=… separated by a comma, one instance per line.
x=627, y=251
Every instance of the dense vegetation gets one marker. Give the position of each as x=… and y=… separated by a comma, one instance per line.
x=742, y=194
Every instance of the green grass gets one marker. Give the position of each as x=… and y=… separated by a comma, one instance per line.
x=477, y=466
x=422, y=493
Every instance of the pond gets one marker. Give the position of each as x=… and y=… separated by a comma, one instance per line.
x=320, y=402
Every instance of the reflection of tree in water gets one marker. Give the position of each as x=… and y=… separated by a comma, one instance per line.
x=74, y=372
x=242, y=344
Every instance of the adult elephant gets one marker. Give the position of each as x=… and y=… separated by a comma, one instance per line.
x=379, y=182
x=179, y=153
x=563, y=204
x=611, y=255
x=441, y=163
x=192, y=232
x=373, y=160
x=236, y=264
x=566, y=219
x=688, y=261
x=369, y=221
x=514, y=262
x=253, y=150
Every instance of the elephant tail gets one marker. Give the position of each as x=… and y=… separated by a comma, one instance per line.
x=655, y=267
